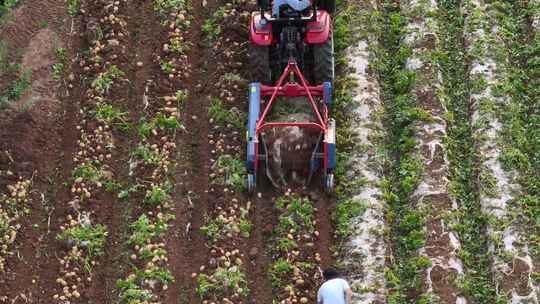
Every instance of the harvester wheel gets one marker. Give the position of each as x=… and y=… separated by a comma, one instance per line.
x=259, y=56
x=329, y=183
x=327, y=5
x=323, y=65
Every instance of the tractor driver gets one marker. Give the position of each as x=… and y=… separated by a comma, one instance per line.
x=334, y=290
x=297, y=5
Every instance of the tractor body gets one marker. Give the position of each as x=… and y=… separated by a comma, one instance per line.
x=283, y=33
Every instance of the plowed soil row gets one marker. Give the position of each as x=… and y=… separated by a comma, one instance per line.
x=145, y=81
x=25, y=21
x=186, y=243
x=40, y=140
x=43, y=141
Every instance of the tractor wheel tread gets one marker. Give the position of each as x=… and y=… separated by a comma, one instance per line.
x=259, y=56
x=327, y=5
x=323, y=67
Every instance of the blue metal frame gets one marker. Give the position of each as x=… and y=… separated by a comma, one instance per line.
x=327, y=93
x=254, y=109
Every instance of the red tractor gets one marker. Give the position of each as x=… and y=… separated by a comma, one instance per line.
x=292, y=29
x=292, y=54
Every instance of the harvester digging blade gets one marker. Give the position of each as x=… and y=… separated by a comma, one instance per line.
x=289, y=152
x=266, y=164
x=315, y=161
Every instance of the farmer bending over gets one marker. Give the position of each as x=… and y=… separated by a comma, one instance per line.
x=334, y=290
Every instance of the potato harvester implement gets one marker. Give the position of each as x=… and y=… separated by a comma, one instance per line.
x=291, y=47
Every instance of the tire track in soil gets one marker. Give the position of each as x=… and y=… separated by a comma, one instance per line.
x=186, y=245
x=143, y=27
x=42, y=140
x=264, y=217
x=324, y=205
x=25, y=23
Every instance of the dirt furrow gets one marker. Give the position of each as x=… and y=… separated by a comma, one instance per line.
x=187, y=242
x=263, y=217
x=324, y=227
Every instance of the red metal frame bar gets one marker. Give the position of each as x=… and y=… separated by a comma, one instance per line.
x=293, y=89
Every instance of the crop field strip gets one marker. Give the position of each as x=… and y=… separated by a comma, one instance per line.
x=185, y=242
x=438, y=114
x=446, y=218
x=128, y=112
x=157, y=97
x=431, y=195
x=405, y=234
x=511, y=261
x=224, y=226
x=97, y=160
x=469, y=179
x=360, y=212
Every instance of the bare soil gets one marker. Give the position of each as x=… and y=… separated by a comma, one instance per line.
x=38, y=132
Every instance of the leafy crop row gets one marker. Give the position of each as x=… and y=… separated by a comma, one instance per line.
x=152, y=165
x=93, y=175
x=518, y=23
x=13, y=208
x=227, y=226
x=295, y=262
x=432, y=195
x=359, y=213
x=470, y=221
x=403, y=170
x=498, y=189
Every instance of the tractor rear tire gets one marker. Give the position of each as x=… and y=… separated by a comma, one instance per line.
x=323, y=63
x=327, y=5
x=259, y=56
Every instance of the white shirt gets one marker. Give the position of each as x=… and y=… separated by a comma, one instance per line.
x=333, y=291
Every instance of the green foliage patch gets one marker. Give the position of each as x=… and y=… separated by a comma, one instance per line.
x=469, y=221
x=90, y=237
x=521, y=117
x=224, y=117
x=231, y=172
